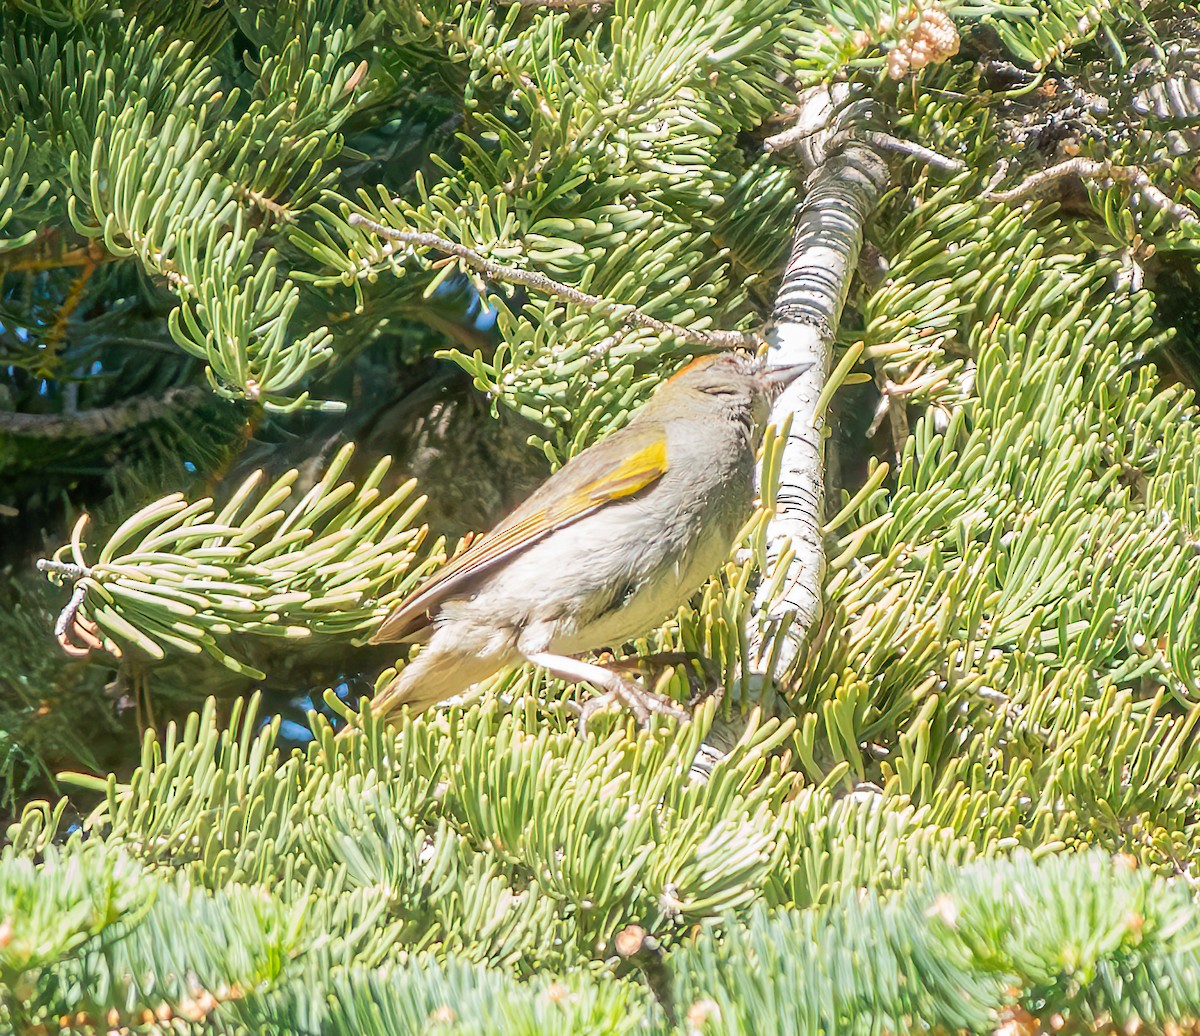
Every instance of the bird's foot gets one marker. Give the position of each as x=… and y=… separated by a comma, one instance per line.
x=615, y=688
x=642, y=703
x=703, y=674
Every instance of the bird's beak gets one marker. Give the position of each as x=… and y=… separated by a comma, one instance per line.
x=779, y=378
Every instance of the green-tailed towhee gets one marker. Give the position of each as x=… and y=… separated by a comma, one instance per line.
x=603, y=550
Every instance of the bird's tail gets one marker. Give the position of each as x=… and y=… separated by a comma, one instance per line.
x=436, y=674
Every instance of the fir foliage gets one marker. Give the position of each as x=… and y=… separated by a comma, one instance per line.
x=177, y=576
x=314, y=893
x=917, y=831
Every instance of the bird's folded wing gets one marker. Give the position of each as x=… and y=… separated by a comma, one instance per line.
x=576, y=490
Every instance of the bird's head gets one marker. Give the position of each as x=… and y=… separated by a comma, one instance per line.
x=728, y=383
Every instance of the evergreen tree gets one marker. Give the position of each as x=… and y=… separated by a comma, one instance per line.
x=950, y=783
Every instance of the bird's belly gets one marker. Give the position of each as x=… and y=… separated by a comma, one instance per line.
x=604, y=579
x=645, y=601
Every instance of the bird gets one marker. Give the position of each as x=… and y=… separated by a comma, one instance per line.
x=602, y=551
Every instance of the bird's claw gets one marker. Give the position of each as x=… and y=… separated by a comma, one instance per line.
x=703, y=674
x=643, y=704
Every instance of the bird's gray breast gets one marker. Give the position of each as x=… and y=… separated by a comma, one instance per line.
x=641, y=559
x=620, y=571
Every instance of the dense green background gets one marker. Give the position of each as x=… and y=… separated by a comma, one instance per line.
x=969, y=804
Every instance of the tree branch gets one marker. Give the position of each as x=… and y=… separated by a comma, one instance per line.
x=1090, y=169
x=593, y=6
x=843, y=190
x=540, y=282
x=108, y=420
x=62, y=569
x=39, y=255
x=802, y=131
x=934, y=159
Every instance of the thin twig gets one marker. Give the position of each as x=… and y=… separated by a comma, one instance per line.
x=68, y=626
x=602, y=347
x=1090, y=169
x=67, y=616
x=884, y=141
x=791, y=136
x=1037, y=183
x=540, y=282
x=887, y=142
x=37, y=256
x=268, y=205
x=63, y=569
x=634, y=944
x=58, y=330
x=594, y=6
x=811, y=138
x=84, y=424
x=998, y=176
x=890, y=393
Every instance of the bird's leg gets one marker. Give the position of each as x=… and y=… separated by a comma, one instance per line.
x=703, y=684
x=640, y=702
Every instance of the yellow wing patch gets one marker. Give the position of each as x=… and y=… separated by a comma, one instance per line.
x=635, y=472
x=521, y=530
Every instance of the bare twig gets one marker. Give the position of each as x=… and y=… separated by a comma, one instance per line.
x=85, y=424
x=882, y=409
x=594, y=6
x=916, y=380
x=540, y=282
x=842, y=192
x=790, y=137
x=58, y=330
x=69, y=627
x=1000, y=173
x=39, y=255
x=897, y=417
x=1038, y=183
x=66, y=617
x=634, y=944
x=63, y=569
x=1091, y=169
x=602, y=347
x=887, y=142
x=76, y=634
x=803, y=131
x=819, y=127
x=268, y=205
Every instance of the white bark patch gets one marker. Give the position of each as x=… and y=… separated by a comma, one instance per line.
x=842, y=193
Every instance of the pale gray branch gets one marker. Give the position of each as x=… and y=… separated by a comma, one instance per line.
x=623, y=312
x=842, y=192
x=1091, y=169
x=62, y=569
x=86, y=424
x=66, y=617
x=936, y=159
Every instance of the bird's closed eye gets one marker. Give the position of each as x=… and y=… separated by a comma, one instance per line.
x=718, y=390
